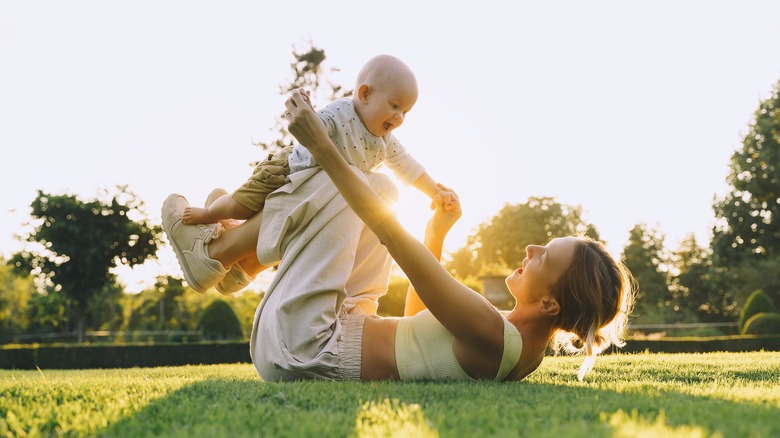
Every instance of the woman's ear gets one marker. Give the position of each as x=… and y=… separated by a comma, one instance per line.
x=549, y=306
x=362, y=93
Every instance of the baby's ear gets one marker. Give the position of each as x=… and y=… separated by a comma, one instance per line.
x=362, y=93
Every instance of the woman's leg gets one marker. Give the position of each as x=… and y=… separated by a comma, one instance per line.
x=310, y=323
x=238, y=245
x=250, y=265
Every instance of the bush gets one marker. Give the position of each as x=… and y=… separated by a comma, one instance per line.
x=758, y=302
x=219, y=321
x=394, y=301
x=765, y=323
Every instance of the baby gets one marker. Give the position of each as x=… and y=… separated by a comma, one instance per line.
x=360, y=126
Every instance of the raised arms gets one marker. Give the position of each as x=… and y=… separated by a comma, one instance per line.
x=465, y=313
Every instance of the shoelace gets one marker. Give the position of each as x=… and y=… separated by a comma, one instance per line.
x=210, y=232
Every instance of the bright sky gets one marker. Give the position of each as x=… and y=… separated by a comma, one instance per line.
x=629, y=109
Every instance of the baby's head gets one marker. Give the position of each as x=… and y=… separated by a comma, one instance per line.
x=385, y=90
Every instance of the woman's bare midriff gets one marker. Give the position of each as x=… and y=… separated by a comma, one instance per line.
x=378, y=350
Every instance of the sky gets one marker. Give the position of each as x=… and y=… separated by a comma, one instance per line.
x=630, y=110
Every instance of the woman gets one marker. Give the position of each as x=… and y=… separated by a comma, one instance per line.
x=318, y=318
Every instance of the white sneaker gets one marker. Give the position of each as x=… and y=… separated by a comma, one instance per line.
x=189, y=243
x=235, y=280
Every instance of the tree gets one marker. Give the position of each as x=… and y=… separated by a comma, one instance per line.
x=15, y=295
x=747, y=230
x=691, y=287
x=308, y=71
x=74, y=244
x=244, y=305
x=499, y=243
x=47, y=312
x=167, y=305
x=104, y=309
x=644, y=255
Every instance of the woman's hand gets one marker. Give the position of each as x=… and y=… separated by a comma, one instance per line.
x=304, y=124
x=445, y=214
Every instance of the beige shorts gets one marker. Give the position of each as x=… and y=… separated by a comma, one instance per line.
x=268, y=176
x=340, y=363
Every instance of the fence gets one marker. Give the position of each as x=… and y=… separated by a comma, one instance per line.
x=110, y=336
x=680, y=329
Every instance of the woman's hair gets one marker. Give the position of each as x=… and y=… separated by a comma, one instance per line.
x=596, y=295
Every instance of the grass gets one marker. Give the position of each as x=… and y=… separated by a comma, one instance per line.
x=714, y=394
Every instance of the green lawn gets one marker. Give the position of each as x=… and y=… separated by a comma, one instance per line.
x=721, y=394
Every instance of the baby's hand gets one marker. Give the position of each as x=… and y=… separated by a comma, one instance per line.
x=449, y=199
x=445, y=214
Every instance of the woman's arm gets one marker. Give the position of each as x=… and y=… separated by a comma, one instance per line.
x=465, y=313
x=435, y=231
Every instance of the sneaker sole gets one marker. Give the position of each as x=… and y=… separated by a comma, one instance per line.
x=168, y=207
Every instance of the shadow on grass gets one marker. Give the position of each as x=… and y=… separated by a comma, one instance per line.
x=250, y=407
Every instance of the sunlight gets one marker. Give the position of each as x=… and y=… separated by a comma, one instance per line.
x=637, y=426
x=392, y=418
x=412, y=210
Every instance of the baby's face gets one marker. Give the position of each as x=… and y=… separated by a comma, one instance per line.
x=387, y=104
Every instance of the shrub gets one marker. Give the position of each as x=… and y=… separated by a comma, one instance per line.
x=393, y=302
x=758, y=302
x=219, y=321
x=765, y=323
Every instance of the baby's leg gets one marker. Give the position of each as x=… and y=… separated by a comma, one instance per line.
x=215, y=194
x=223, y=208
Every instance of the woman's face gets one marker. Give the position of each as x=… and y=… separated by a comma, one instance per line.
x=541, y=268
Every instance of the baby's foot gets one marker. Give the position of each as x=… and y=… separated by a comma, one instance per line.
x=213, y=196
x=195, y=215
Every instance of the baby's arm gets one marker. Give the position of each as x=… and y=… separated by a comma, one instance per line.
x=426, y=184
x=431, y=188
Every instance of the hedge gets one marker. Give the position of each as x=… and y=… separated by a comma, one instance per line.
x=738, y=343
x=155, y=355
x=122, y=356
